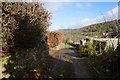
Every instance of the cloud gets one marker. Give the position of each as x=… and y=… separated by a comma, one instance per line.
x=110, y=15
x=113, y=13
x=53, y=7
x=79, y=5
x=57, y=0
x=86, y=5
x=54, y=28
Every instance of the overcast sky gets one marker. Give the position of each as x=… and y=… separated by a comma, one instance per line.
x=72, y=15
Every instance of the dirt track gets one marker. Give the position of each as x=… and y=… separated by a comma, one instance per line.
x=79, y=67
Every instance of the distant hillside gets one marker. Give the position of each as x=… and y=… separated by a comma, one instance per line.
x=91, y=30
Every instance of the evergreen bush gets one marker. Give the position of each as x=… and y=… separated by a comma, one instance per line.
x=24, y=28
x=88, y=50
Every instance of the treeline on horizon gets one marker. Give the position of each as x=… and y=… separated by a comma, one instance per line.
x=91, y=30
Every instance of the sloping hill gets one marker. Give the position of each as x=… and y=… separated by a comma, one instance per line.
x=91, y=30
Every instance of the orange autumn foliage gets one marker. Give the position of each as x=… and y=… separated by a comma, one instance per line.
x=54, y=38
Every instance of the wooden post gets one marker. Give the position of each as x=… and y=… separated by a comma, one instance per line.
x=100, y=48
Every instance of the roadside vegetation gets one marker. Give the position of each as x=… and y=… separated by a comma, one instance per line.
x=24, y=28
x=68, y=45
x=105, y=65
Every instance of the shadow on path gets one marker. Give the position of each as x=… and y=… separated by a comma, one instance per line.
x=79, y=67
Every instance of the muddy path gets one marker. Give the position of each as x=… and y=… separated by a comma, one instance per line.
x=78, y=67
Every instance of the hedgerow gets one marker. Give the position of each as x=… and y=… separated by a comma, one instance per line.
x=55, y=38
x=24, y=28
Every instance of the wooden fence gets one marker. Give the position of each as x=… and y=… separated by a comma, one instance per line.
x=110, y=42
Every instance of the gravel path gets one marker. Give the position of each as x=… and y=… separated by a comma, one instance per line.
x=80, y=68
